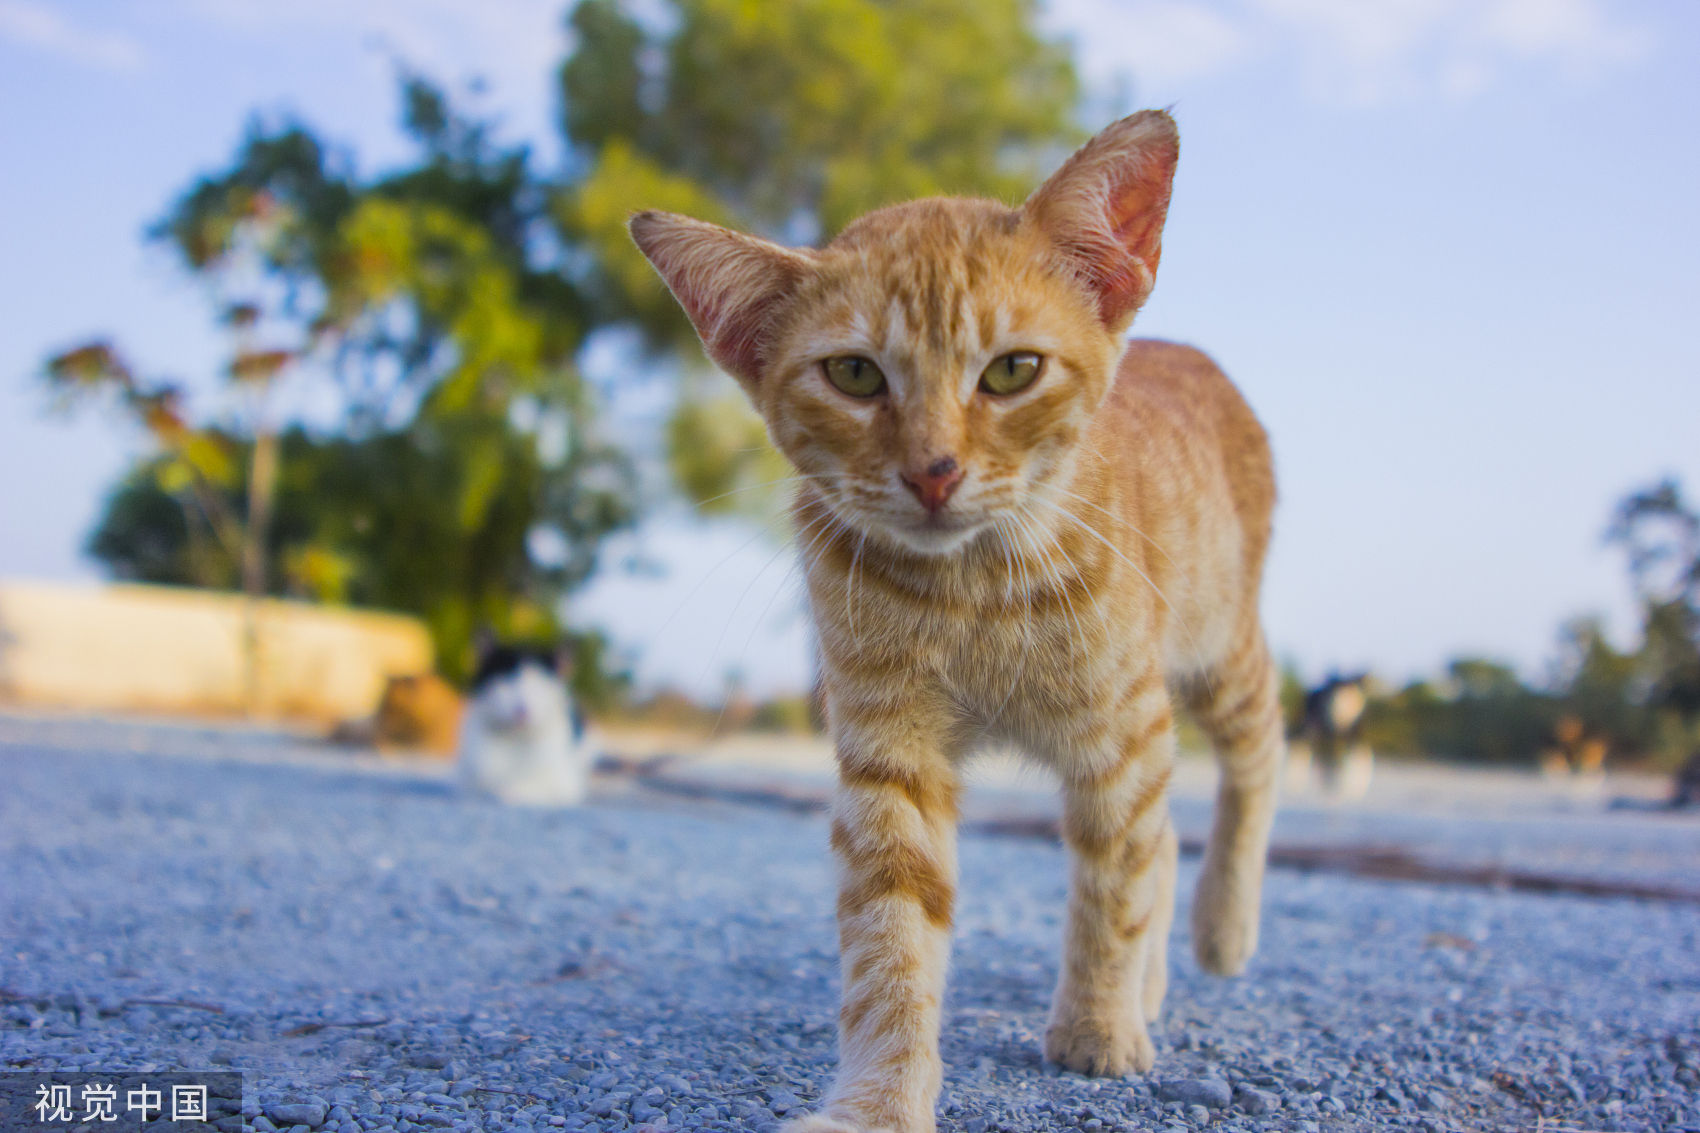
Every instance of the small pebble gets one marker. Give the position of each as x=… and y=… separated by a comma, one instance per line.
x=1212, y=1093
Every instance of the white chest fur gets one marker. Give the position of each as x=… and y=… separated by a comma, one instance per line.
x=519, y=743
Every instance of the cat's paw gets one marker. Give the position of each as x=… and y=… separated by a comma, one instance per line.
x=1099, y=1047
x=824, y=1123
x=819, y=1123
x=1224, y=927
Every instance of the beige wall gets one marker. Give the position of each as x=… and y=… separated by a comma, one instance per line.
x=161, y=649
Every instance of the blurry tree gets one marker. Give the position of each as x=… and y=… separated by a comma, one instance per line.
x=195, y=465
x=183, y=487
x=789, y=120
x=459, y=477
x=1601, y=686
x=1660, y=533
x=1481, y=713
x=1293, y=690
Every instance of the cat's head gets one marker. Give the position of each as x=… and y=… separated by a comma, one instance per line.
x=514, y=686
x=933, y=367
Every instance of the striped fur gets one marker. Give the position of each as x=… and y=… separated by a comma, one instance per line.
x=1101, y=557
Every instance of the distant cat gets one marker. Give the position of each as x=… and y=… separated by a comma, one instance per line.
x=1577, y=751
x=418, y=712
x=522, y=739
x=1017, y=528
x=1332, y=732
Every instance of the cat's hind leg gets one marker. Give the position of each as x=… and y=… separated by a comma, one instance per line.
x=1238, y=706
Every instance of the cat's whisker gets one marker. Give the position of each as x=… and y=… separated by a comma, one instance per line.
x=1197, y=649
x=821, y=531
x=732, y=615
x=1008, y=561
x=1026, y=627
x=698, y=505
x=1123, y=520
x=850, y=584
x=1094, y=594
x=818, y=529
x=1078, y=641
x=762, y=529
x=1054, y=571
x=755, y=626
x=1009, y=589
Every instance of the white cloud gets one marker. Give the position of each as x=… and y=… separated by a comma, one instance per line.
x=45, y=29
x=1359, y=51
x=1578, y=31
x=1392, y=49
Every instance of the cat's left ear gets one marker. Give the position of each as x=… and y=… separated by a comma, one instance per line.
x=731, y=285
x=1104, y=210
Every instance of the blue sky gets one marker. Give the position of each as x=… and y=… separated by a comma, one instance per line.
x=1447, y=248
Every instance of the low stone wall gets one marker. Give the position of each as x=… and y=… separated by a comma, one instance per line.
x=156, y=649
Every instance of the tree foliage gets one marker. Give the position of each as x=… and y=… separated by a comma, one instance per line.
x=461, y=477
x=1660, y=534
x=396, y=519
x=1480, y=712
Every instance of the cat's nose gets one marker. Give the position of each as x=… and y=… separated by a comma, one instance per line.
x=934, y=483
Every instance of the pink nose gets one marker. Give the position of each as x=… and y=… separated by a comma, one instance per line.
x=933, y=485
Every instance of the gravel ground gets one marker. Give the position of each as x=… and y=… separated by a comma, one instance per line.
x=374, y=953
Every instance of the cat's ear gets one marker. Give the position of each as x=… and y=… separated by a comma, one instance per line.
x=1104, y=210
x=731, y=285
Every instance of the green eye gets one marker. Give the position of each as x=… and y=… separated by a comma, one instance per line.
x=855, y=376
x=1012, y=373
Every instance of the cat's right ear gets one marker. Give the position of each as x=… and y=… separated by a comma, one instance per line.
x=1104, y=210
x=731, y=285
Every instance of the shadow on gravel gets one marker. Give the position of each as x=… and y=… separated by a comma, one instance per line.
x=1379, y=863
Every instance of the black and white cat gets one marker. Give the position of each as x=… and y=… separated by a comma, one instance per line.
x=522, y=738
x=1330, y=737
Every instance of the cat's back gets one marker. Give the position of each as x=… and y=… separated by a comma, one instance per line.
x=1187, y=414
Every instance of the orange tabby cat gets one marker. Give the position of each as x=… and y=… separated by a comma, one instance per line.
x=1017, y=528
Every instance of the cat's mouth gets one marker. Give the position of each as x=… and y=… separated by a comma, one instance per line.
x=935, y=533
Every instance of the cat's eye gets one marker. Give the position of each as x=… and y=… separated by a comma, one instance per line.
x=1012, y=373
x=855, y=376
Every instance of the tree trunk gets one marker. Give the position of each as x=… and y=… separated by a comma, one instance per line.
x=262, y=482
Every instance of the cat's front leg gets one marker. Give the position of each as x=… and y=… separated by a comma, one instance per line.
x=1116, y=824
x=894, y=837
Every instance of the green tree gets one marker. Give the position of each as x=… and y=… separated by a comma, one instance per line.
x=1601, y=686
x=461, y=477
x=1482, y=712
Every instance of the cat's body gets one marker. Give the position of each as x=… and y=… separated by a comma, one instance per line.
x=417, y=712
x=522, y=740
x=1016, y=527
